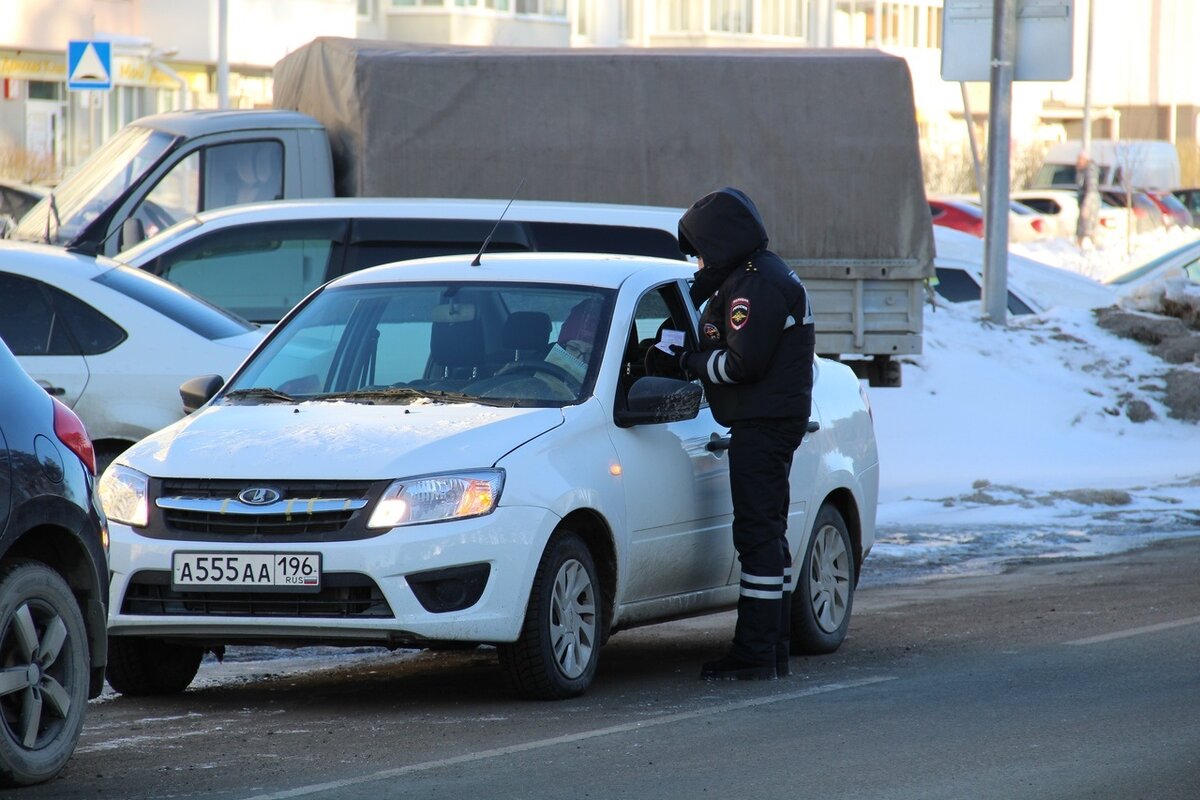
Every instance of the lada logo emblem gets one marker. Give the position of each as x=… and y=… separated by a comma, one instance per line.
x=259, y=496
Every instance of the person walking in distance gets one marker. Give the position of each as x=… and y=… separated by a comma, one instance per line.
x=755, y=359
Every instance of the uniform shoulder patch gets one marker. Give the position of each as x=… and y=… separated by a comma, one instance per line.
x=739, y=313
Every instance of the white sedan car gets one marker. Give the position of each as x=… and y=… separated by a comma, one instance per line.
x=438, y=452
x=110, y=341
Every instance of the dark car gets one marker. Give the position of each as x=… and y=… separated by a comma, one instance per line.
x=53, y=579
x=1191, y=201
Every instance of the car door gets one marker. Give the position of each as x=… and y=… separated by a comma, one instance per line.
x=679, y=511
x=38, y=336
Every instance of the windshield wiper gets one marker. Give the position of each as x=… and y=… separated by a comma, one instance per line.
x=394, y=393
x=260, y=393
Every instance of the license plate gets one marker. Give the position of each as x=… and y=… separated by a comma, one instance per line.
x=268, y=571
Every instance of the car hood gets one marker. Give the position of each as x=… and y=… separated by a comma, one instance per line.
x=336, y=440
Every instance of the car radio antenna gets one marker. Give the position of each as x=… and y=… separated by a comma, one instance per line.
x=488, y=240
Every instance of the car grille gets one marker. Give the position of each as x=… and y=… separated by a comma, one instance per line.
x=342, y=596
x=210, y=510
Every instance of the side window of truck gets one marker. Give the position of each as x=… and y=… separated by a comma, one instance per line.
x=176, y=196
x=244, y=172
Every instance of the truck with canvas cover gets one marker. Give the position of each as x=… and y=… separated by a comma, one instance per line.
x=825, y=141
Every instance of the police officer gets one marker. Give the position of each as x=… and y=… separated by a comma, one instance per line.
x=755, y=360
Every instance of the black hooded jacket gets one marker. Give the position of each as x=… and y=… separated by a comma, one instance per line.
x=756, y=334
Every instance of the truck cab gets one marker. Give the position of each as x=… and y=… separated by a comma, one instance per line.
x=165, y=168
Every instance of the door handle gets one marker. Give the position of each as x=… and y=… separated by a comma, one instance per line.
x=717, y=443
x=53, y=391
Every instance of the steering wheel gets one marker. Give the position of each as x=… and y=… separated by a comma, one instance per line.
x=534, y=367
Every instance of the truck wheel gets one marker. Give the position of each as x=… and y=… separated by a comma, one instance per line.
x=559, y=646
x=824, y=594
x=139, y=667
x=44, y=671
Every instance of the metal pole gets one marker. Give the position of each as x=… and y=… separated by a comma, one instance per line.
x=222, y=53
x=974, y=140
x=1089, y=196
x=995, y=254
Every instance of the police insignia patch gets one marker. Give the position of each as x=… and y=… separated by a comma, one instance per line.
x=739, y=313
x=711, y=331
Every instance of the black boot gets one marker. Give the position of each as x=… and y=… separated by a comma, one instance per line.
x=732, y=668
x=783, y=667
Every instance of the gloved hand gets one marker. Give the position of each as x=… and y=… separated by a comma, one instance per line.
x=673, y=365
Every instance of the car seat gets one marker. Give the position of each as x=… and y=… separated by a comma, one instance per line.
x=525, y=337
x=456, y=353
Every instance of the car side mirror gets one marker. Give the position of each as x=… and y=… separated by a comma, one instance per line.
x=132, y=232
x=198, y=391
x=653, y=400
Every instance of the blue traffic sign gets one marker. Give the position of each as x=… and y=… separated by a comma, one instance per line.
x=89, y=65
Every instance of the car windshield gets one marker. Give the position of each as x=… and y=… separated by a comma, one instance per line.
x=89, y=190
x=506, y=344
x=1187, y=256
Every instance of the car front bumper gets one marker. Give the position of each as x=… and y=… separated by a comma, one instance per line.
x=509, y=541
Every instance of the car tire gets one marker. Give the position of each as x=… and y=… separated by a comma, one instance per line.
x=559, y=645
x=824, y=594
x=141, y=667
x=43, y=639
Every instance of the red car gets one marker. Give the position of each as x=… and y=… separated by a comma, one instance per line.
x=957, y=214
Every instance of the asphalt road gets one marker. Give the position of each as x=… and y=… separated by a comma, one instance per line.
x=1075, y=679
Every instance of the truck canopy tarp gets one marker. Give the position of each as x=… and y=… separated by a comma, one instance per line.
x=824, y=141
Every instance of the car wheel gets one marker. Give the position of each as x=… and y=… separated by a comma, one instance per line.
x=824, y=594
x=139, y=667
x=559, y=646
x=44, y=671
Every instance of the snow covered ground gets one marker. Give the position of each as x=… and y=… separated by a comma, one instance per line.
x=1011, y=442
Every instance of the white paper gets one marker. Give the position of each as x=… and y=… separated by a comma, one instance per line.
x=670, y=339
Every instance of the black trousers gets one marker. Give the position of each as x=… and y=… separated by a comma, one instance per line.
x=760, y=460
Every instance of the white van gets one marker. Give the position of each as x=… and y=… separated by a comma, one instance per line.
x=1143, y=163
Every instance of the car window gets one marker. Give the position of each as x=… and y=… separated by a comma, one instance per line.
x=173, y=303
x=505, y=343
x=625, y=239
x=245, y=172
x=29, y=324
x=382, y=241
x=659, y=308
x=176, y=196
x=92, y=331
x=959, y=286
x=258, y=272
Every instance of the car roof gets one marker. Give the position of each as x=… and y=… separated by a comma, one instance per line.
x=569, y=269
x=205, y=121
x=660, y=217
x=49, y=262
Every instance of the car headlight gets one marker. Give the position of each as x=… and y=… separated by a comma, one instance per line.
x=123, y=495
x=434, y=498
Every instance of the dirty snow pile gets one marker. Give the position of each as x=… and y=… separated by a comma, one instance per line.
x=1020, y=440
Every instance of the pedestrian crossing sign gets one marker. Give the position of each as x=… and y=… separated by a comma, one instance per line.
x=89, y=65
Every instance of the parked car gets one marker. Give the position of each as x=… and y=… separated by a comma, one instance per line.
x=966, y=214
x=1191, y=200
x=1182, y=261
x=1174, y=212
x=1062, y=206
x=16, y=197
x=1147, y=216
x=435, y=452
x=112, y=342
x=957, y=214
x=53, y=579
x=1033, y=287
x=259, y=260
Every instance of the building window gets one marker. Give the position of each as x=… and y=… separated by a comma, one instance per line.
x=784, y=18
x=732, y=16
x=45, y=90
x=409, y=3
x=685, y=16
x=545, y=8
x=364, y=8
